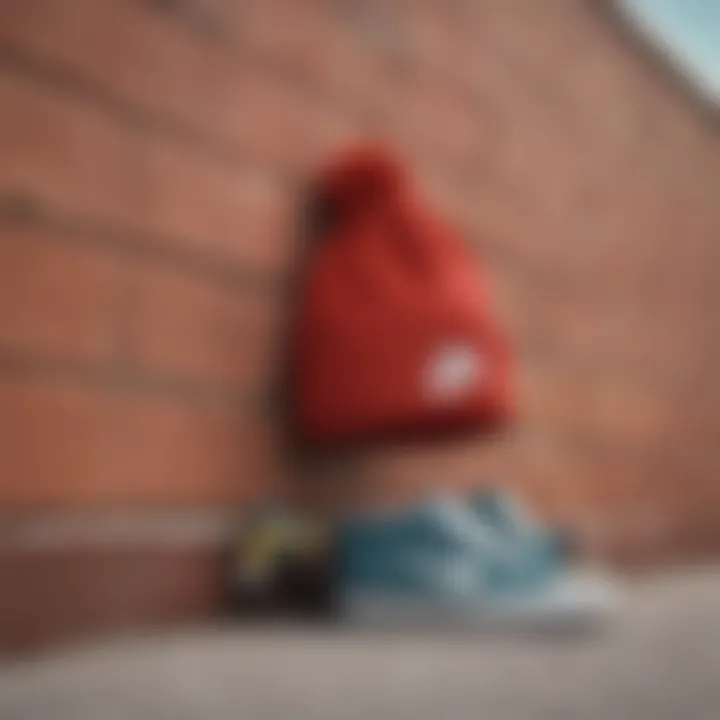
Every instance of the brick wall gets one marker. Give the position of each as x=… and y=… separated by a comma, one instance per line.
x=151, y=155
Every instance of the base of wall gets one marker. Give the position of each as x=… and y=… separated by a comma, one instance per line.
x=72, y=580
x=51, y=596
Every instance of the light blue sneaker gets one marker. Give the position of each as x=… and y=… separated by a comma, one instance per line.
x=440, y=566
x=540, y=548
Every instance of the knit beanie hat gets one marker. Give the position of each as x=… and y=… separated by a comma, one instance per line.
x=395, y=337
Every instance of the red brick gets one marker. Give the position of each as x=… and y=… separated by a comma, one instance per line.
x=265, y=115
x=439, y=39
x=208, y=206
x=587, y=179
x=624, y=411
x=192, y=327
x=154, y=63
x=281, y=30
x=623, y=337
x=327, y=130
x=71, y=301
x=58, y=298
x=66, y=444
x=317, y=45
x=56, y=595
x=551, y=478
x=439, y=190
x=126, y=49
x=630, y=413
x=66, y=153
x=49, y=436
x=121, y=46
x=439, y=122
x=164, y=452
x=515, y=301
x=83, y=161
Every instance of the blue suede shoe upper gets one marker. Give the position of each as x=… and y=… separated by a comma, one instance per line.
x=544, y=549
x=444, y=548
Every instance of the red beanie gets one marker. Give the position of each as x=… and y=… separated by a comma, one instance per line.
x=394, y=336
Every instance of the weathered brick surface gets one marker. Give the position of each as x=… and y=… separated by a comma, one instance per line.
x=58, y=299
x=67, y=593
x=85, y=161
x=65, y=442
x=66, y=153
x=151, y=155
x=162, y=66
x=178, y=325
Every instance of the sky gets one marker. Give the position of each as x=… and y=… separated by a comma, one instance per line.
x=690, y=31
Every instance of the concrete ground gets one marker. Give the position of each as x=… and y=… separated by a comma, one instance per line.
x=661, y=659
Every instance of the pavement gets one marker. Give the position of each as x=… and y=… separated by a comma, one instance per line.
x=660, y=659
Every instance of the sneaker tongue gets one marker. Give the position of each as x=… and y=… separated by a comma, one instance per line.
x=502, y=563
x=507, y=513
x=459, y=523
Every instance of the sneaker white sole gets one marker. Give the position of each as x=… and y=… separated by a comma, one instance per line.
x=586, y=608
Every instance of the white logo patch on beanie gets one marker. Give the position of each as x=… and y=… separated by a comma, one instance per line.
x=452, y=371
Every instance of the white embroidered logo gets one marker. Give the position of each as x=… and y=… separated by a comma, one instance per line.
x=452, y=371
